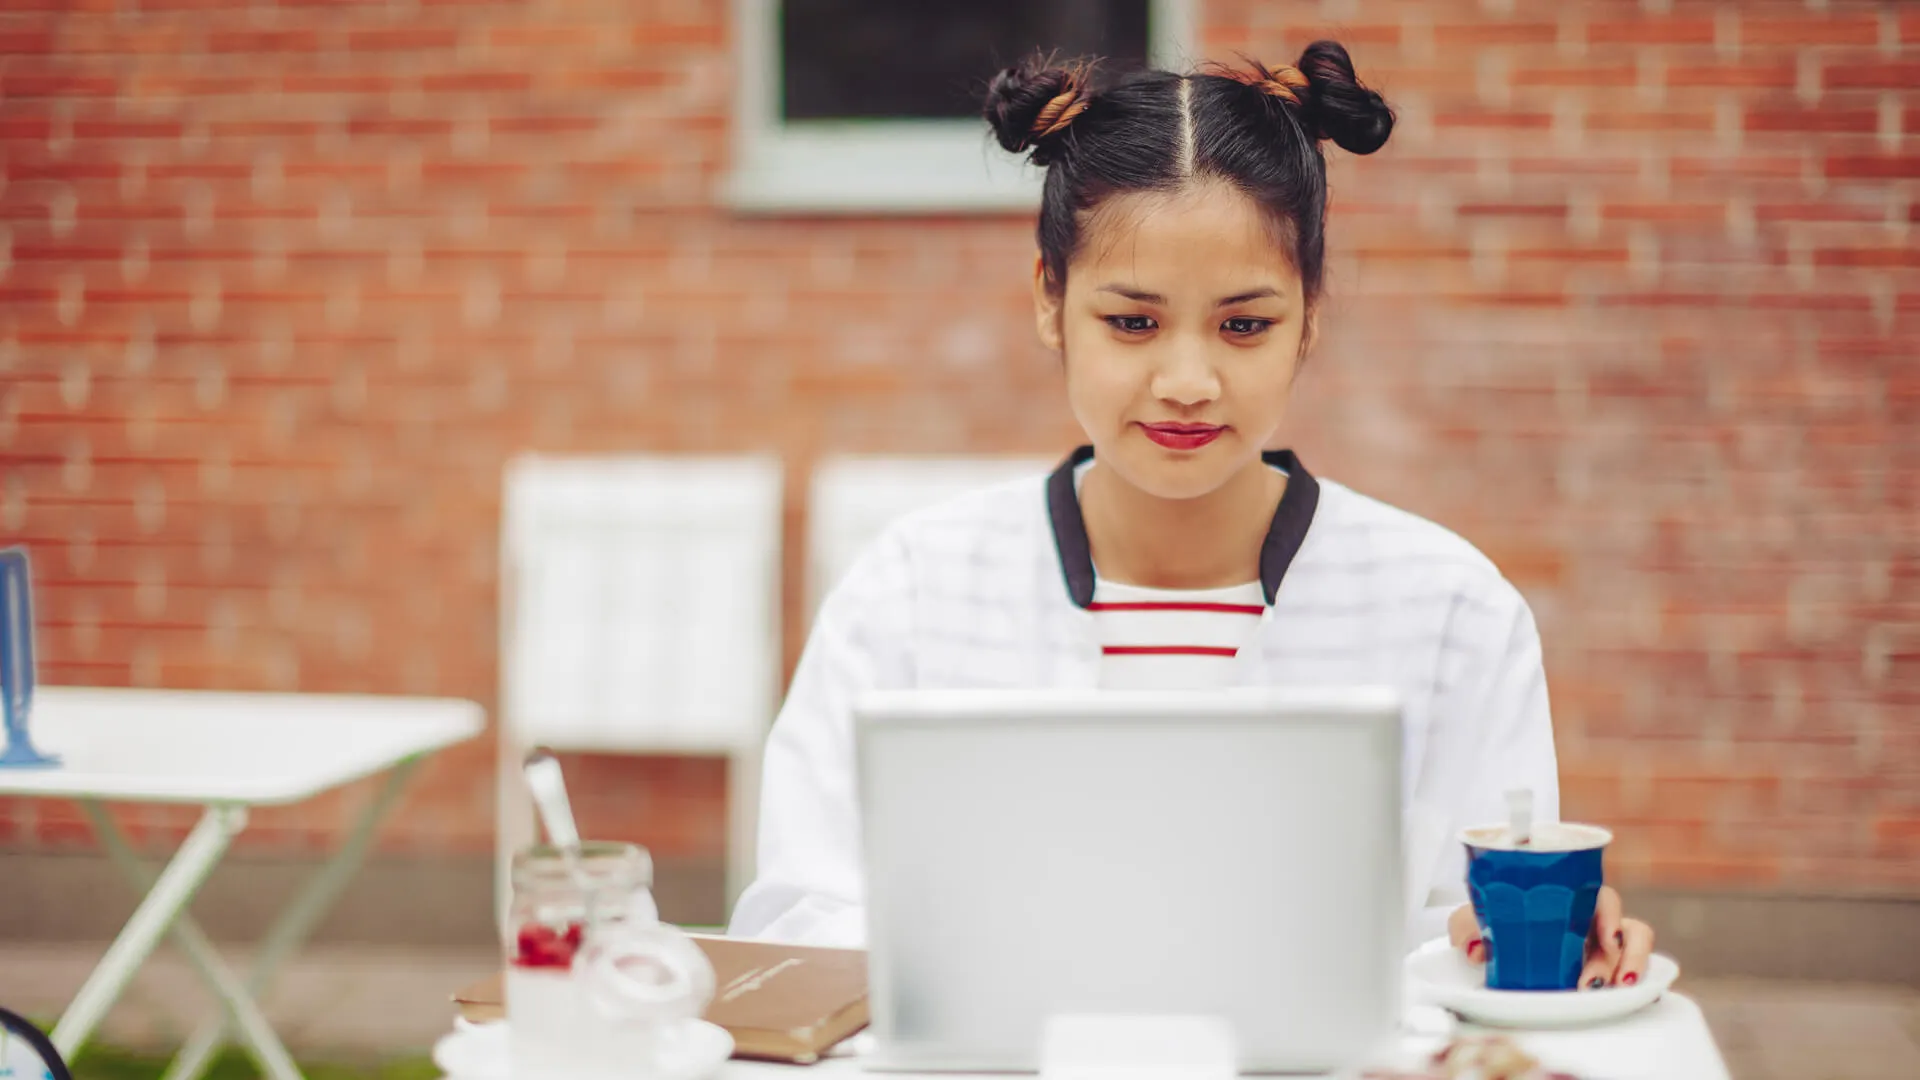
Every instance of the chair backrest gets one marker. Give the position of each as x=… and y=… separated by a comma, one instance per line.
x=640, y=601
x=854, y=497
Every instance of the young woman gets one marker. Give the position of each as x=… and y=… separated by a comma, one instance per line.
x=1182, y=257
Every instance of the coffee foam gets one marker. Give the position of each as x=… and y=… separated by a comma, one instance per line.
x=1548, y=836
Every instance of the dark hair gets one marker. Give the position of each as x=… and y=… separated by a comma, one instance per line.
x=1258, y=129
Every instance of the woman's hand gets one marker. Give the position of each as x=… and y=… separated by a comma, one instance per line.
x=1617, y=947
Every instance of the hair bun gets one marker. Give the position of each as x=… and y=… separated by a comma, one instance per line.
x=1338, y=107
x=1031, y=104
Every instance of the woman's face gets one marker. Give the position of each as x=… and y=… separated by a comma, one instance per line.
x=1181, y=328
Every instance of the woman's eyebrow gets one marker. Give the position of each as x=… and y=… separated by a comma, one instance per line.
x=1131, y=293
x=1241, y=298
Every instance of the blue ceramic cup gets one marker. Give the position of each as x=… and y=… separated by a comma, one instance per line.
x=1535, y=901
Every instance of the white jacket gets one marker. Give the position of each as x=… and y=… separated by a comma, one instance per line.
x=990, y=590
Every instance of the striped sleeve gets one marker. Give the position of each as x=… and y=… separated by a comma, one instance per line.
x=1491, y=730
x=809, y=888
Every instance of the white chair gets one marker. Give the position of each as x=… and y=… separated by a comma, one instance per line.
x=854, y=497
x=639, y=613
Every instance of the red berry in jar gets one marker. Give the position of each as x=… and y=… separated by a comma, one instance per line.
x=541, y=946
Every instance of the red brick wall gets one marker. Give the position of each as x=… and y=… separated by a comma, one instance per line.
x=1630, y=300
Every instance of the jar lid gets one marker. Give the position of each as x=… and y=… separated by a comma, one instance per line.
x=602, y=862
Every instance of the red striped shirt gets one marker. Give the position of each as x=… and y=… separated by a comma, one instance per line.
x=1172, y=639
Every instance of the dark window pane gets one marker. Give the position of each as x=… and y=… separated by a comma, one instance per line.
x=897, y=59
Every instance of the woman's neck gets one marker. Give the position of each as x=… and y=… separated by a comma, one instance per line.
x=1210, y=542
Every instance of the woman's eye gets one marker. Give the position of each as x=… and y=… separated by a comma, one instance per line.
x=1245, y=327
x=1130, y=324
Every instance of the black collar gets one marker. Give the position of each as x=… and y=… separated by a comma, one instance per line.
x=1284, y=537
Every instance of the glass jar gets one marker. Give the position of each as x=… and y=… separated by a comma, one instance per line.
x=595, y=983
x=552, y=907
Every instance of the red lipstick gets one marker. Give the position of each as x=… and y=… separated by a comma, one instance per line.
x=1183, y=436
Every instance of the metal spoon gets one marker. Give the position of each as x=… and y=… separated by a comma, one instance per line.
x=550, y=799
x=1520, y=816
x=556, y=816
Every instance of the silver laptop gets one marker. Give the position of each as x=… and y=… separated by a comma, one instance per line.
x=1032, y=854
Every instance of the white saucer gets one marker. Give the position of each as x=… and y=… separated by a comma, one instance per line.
x=479, y=1052
x=1437, y=973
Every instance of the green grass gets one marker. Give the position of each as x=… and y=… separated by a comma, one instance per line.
x=100, y=1062
x=107, y=1063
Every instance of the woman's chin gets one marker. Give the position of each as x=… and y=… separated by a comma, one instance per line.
x=1175, y=474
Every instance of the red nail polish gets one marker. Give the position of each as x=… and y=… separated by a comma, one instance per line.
x=1471, y=946
x=1630, y=978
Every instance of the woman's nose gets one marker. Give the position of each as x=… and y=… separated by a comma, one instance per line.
x=1185, y=377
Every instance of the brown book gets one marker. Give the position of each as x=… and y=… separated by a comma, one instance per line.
x=788, y=1003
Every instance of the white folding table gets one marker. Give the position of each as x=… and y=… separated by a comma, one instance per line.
x=226, y=752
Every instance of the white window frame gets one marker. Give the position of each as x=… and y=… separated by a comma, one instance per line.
x=883, y=166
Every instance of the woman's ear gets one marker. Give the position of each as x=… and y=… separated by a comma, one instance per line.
x=1046, y=306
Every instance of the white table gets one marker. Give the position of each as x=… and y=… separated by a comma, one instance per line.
x=1668, y=1040
x=225, y=752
